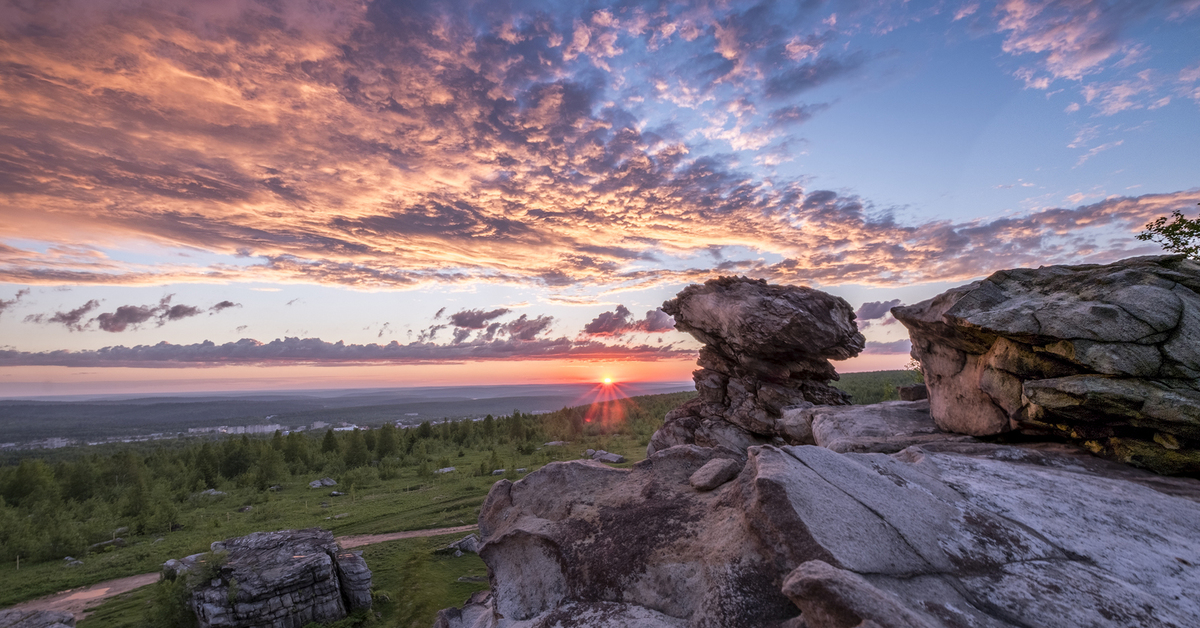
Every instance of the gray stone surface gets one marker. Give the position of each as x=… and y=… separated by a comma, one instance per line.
x=714, y=473
x=1103, y=355
x=283, y=579
x=14, y=618
x=766, y=350
x=884, y=427
x=944, y=534
x=609, y=457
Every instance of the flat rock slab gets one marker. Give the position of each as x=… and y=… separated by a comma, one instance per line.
x=885, y=427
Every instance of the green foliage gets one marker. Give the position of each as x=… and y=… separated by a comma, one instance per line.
x=170, y=605
x=329, y=444
x=154, y=490
x=876, y=386
x=357, y=453
x=1181, y=235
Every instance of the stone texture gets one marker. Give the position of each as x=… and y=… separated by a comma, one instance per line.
x=283, y=579
x=884, y=427
x=766, y=350
x=1103, y=355
x=15, y=618
x=714, y=473
x=943, y=534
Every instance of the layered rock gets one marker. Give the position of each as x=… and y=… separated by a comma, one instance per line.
x=1104, y=355
x=284, y=579
x=766, y=350
x=937, y=535
x=15, y=618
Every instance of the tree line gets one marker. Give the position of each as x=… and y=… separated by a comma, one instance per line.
x=62, y=507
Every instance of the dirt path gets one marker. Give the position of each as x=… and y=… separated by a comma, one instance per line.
x=347, y=542
x=75, y=601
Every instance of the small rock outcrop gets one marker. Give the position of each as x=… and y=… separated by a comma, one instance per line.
x=766, y=349
x=1107, y=356
x=16, y=618
x=284, y=579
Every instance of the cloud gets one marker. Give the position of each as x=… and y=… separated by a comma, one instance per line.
x=121, y=319
x=621, y=321
x=72, y=319
x=293, y=350
x=1070, y=39
x=476, y=319
x=4, y=305
x=223, y=305
x=525, y=328
x=391, y=145
x=888, y=348
x=875, y=309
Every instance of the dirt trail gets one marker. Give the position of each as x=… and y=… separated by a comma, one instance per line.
x=75, y=601
x=347, y=542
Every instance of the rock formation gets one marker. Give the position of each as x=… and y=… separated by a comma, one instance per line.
x=879, y=516
x=943, y=534
x=766, y=350
x=284, y=579
x=1105, y=356
x=15, y=618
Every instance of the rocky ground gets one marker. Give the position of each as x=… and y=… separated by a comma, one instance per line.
x=983, y=506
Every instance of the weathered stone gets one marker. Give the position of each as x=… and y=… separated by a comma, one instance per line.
x=714, y=473
x=884, y=427
x=766, y=350
x=1097, y=354
x=943, y=534
x=16, y=618
x=912, y=392
x=611, y=458
x=287, y=579
x=322, y=483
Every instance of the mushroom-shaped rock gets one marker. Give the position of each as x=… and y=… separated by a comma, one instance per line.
x=766, y=350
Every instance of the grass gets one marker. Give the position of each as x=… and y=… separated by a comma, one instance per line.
x=407, y=502
x=875, y=386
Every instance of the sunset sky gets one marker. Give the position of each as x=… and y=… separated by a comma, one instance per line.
x=253, y=194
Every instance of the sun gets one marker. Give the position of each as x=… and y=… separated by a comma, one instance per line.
x=607, y=380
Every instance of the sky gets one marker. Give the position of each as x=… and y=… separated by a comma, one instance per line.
x=296, y=194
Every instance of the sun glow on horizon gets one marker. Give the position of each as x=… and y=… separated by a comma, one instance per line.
x=607, y=381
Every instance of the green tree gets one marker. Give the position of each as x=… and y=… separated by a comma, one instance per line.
x=277, y=440
x=269, y=468
x=356, y=450
x=329, y=444
x=385, y=443
x=1181, y=235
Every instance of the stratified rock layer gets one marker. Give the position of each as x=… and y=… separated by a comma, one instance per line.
x=939, y=535
x=284, y=579
x=1104, y=355
x=766, y=349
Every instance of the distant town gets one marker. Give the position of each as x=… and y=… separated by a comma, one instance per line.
x=264, y=428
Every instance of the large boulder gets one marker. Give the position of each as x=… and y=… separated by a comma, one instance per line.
x=766, y=349
x=938, y=535
x=1104, y=355
x=284, y=579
